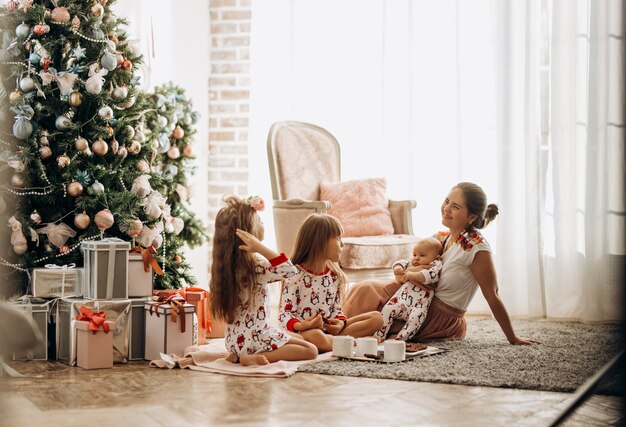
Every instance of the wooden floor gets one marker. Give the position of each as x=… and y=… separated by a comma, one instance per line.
x=54, y=394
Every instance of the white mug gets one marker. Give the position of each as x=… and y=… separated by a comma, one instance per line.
x=366, y=346
x=395, y=351
x=343, y=346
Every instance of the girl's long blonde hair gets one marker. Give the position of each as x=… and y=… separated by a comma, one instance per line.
x=311, y=242
x=232, y=271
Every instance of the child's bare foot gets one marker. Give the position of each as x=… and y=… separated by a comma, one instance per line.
x=253, y=359
x=232, y=358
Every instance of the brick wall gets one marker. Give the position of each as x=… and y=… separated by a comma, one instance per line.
x=229, y=90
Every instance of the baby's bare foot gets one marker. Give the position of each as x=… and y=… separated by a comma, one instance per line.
x=253, y=359
x=232, y=358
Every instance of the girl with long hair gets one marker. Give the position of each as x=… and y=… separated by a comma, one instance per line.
x=311, y=300
x=241, y=270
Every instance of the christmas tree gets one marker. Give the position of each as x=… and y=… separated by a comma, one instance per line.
x=170, y=121
x=78, y=164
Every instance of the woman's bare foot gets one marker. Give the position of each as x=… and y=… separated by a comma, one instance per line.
x=253, y=359
x=232, y=358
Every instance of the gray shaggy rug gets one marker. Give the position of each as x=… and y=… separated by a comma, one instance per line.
x=568, y=355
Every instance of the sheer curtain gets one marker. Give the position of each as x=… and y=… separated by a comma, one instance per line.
x=524, y=98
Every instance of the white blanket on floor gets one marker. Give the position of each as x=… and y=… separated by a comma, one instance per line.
x=211, y=358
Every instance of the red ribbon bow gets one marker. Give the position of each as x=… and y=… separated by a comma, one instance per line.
x=204, y=311
x=147, y=254
x=178, y=308
x=95, y=319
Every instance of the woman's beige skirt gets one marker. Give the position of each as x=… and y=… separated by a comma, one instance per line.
x=442, y=320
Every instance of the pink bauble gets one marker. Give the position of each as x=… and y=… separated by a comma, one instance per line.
x=178, y=132
x=143, y=166
x=45, y=152
x=104, y=219
x=173, y=153
x=60, y=14
x=82, y=221
x=135, y=228
x=188, y=150
x=81, y=144
x=100, y=147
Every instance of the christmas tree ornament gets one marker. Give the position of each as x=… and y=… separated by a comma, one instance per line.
x=120, y=92
x=75, y=99
x=34, y=58
x=35, y=217
x=75, y=189
x=18, y=180
x=96, y=188
x=177, y=258
x=75, y=25
x=130, y=102
x=188, y=150
x=63, y=161
x=20, y=247
x=104, y=219
x=81, y=144
x=118, y=56
x=129, y=132
x=113, y=37
x=22, y=31
x=106, y=112
x=45, y=152
x=108, y=60
x=123, y=152
x=15, y=96
x=135, y=227
x=41, y=29
x=95, y=81
x=27, y=84
x=162, y=121
x=60, y=14
x=141, y=186
x=97, y=10
x=23, y=128
x=63, y=123
x=139, y=135
x=110, y=131
x=127, y=65
x=143, y=166
x=187, y=119
x=173, y=153
x=82, y=221
x=100, y=147
x=11, y=5
x=115, y=146
x=134, y=147
x=178, y=132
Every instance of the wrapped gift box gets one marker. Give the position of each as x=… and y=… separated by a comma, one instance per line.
x=39, y=314
x=165, y=333
x=56, y=281
x=136, y=349
x=199, y=298
x=117, y=311
x=94, y=350
x=106, y=268
x=139, y=280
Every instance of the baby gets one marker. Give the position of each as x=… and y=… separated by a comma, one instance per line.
x=410, y=303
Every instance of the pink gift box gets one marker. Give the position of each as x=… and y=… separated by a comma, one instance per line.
x=165, y=336
x=139, y=280
x=94, y=351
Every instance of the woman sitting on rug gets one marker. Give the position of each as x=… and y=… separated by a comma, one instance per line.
x=467, y=264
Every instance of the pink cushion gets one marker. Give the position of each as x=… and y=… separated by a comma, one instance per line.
x=360, y=205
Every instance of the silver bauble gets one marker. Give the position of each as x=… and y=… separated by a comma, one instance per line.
x=120, y=92
x=96, y=188
x=62, y=123
x=22, y=31
x=27, y=84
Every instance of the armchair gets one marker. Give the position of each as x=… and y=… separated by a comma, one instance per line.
x=301, y=156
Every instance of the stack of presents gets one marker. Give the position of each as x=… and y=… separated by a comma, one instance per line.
x=108, y=312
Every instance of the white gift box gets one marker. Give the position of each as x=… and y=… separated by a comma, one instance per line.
x=117, y=311
x=39, y=315
x=139, y=280
x=57, y=281
x=164, y=335
x=106, y=268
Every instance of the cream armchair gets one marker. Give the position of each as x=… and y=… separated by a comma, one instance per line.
x=301, y=156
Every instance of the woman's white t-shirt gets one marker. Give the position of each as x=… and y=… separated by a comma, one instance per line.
x=457, y=284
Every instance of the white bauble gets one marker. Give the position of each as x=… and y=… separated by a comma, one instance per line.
x=27, y=84
x=20, y=247
x=22, y=31
x=120, y=92
x=106, y=112
x=62, y=123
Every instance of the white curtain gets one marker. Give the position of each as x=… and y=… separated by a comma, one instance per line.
x=523, y=98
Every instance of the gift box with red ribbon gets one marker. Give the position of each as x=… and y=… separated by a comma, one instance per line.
x=200, y=299
x=169, y=326
x=117, y=311
x=141, y=264
x=94, y=339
